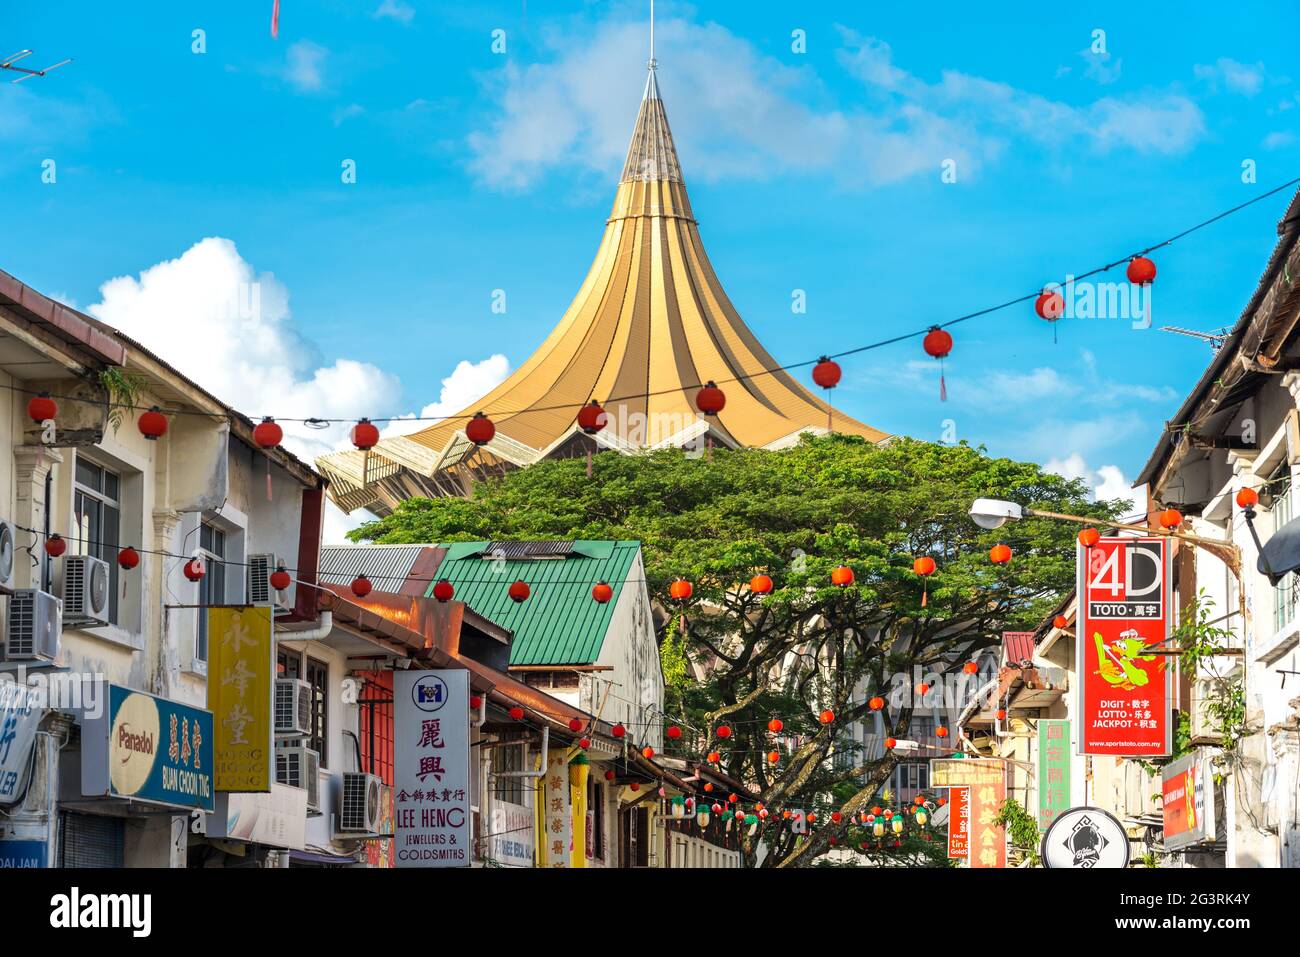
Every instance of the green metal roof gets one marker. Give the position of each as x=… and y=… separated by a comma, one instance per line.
x=560, y=623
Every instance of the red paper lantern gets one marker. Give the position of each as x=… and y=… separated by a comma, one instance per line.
x=773, y=757
x=732, y=799
x=710, y=399
x=635, y=786
x=592, y=418
x=924, y=565
x=836, y=817
x=55, y=545
x=575, y=724
x=941, y=732
x=584, y=743
x=713, y=758
x=193, y=569
x=647, y=752
x=42, y=407
x=609, y=775
x=775, y=725
x=891, y=743
x=812, y=817
x=365, y=435
x=443, y=591
x=1000, y=554
x=153, y=424
x=519, y=591
x=876, y=703
x=971, y=668
x=361, y=586
x=937, y=344
x=724, y=731
x=281, y=579
x=1059, y=622
x=267, y=434
x=601, y=592
x=674, y=733
x=680, y=590
x=826, y=717
x=826, y=373
x=1089, y=537
x=1247, y=498
x=942, y=801
x=760, y=584
x=1171, y=518
x=128, y=558
x=475, y=702
x=618, y=731
x=1141, y=271
x=922, y=689
x=1001, y=714
x=517, y=713
x=480, y=429
x=1050, y=305
x=919, y=800
x=842, y=576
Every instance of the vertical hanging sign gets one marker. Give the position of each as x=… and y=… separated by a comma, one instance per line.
x=1053, y=770
x=431, y=768
x=958, y=822
x=239, y=696
x=1125, y=605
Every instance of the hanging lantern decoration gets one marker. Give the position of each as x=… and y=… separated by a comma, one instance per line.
x=710, y=399
x=842, y=576
x=128, y=558
x=724, y=731
x=1141, y=271
x=601, y=592
x=42, y=408
x=575, y=724
x=921, y=817
x=193, y=569
x=773, y=757
x=475, y=702
x=618, y=731
x=891, y=743
x=365, y=435
x=876, y=703
x=937, y=344
x=971, y=668
x=647, y=752
x=941, y=732
x=584, y=743
x=281, y=579
x=1170, y=519
x=153, y=424
x=680, y=590
x=702, y=812
x=775, y=725
x=1060, y=622
x=878, y=829
x=674, y=733
x=443, y=590
x=836, y=817
x=812, y=817
x=827, y=372
x=1001, y=714
x=760, y=584
x=610, y=775
x=1247, y=498
x=1089, y=537
x=942, y=801
x=919, y=800
x=517, y=713
x=827, y=716
x=267, y=434
x=713, y=758
x=733, y=799
x=519, y=591
x=1000, y=554
x=592, y=418
x=922, y=689
x=55, y=545
x=896, y=825
x=1050, y=305
x=924, y=566
x=677, y=806
x=480, y=429
x=361, y=586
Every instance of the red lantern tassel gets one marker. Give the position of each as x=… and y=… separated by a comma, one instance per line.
x=943, y=385
x=588, y=463
x=925, y=594
x=275, y=19
x=268, y=478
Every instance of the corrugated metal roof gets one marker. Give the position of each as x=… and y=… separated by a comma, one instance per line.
x=388, y=566
x=559, y=624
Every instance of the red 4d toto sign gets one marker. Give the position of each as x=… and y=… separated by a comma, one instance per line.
x=1125, y=605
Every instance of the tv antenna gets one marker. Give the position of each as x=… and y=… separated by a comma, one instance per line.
x=8, y=64
x=1215, y=339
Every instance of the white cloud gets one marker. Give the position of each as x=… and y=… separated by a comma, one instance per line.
x=1107, y=481
x=1278, y=139
x=1100, y=66
x=305, y=66
x=345, y=113
x=338, y=523
x=252, y=356
x=396, y=10
x=1244, y=78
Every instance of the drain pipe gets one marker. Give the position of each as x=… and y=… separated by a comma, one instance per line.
x=324, y=625
x=481, y=718
x=546, y=739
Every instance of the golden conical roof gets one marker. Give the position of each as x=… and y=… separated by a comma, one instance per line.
x=650, y=324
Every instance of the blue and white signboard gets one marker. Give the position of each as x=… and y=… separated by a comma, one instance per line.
x=431, y=815
x=147, y=748
x=17, y=855
x=19, y=718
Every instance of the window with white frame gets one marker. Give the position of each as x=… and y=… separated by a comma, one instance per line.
x=1284, y=593
x=212, y=586
x=97, y=520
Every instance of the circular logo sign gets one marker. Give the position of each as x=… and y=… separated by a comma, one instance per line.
x=1084, y=838
x=133, y=747
x=429, y=693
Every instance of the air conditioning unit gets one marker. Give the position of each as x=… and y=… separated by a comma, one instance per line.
x=299, y=767
x=260, y=592
x=359, y=802
x=34, y=626
x=6, y=556
x=86, y=587
x=292, y=708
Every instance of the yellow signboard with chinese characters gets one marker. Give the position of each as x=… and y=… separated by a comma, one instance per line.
x=240, y=674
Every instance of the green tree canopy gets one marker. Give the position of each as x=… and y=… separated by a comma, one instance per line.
x=795, y=514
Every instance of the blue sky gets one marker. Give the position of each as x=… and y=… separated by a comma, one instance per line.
x=817, y=170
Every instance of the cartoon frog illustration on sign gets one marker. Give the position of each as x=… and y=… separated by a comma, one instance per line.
x=1117, y=663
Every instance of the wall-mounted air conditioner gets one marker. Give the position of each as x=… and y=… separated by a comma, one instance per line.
x=299, y=767
x=359, y=803
x=6, y=557
x=292, y=708
x=85, y=591
x=260, y=592
x=34, y=626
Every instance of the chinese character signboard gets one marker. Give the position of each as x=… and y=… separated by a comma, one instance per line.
x=1053, y=770
x=239, y=696
x=986, y=782
x=1188, y=790
x=512, y=834
x=1085, y=838
x=431, y=768
x=1125, y=605
x=958, y=822
x=19, y=718
x=557, y=811
x=148, y=749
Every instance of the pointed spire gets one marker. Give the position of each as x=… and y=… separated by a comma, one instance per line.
x=652, y=156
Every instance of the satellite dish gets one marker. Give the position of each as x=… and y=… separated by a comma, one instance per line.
x=1281, y=555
